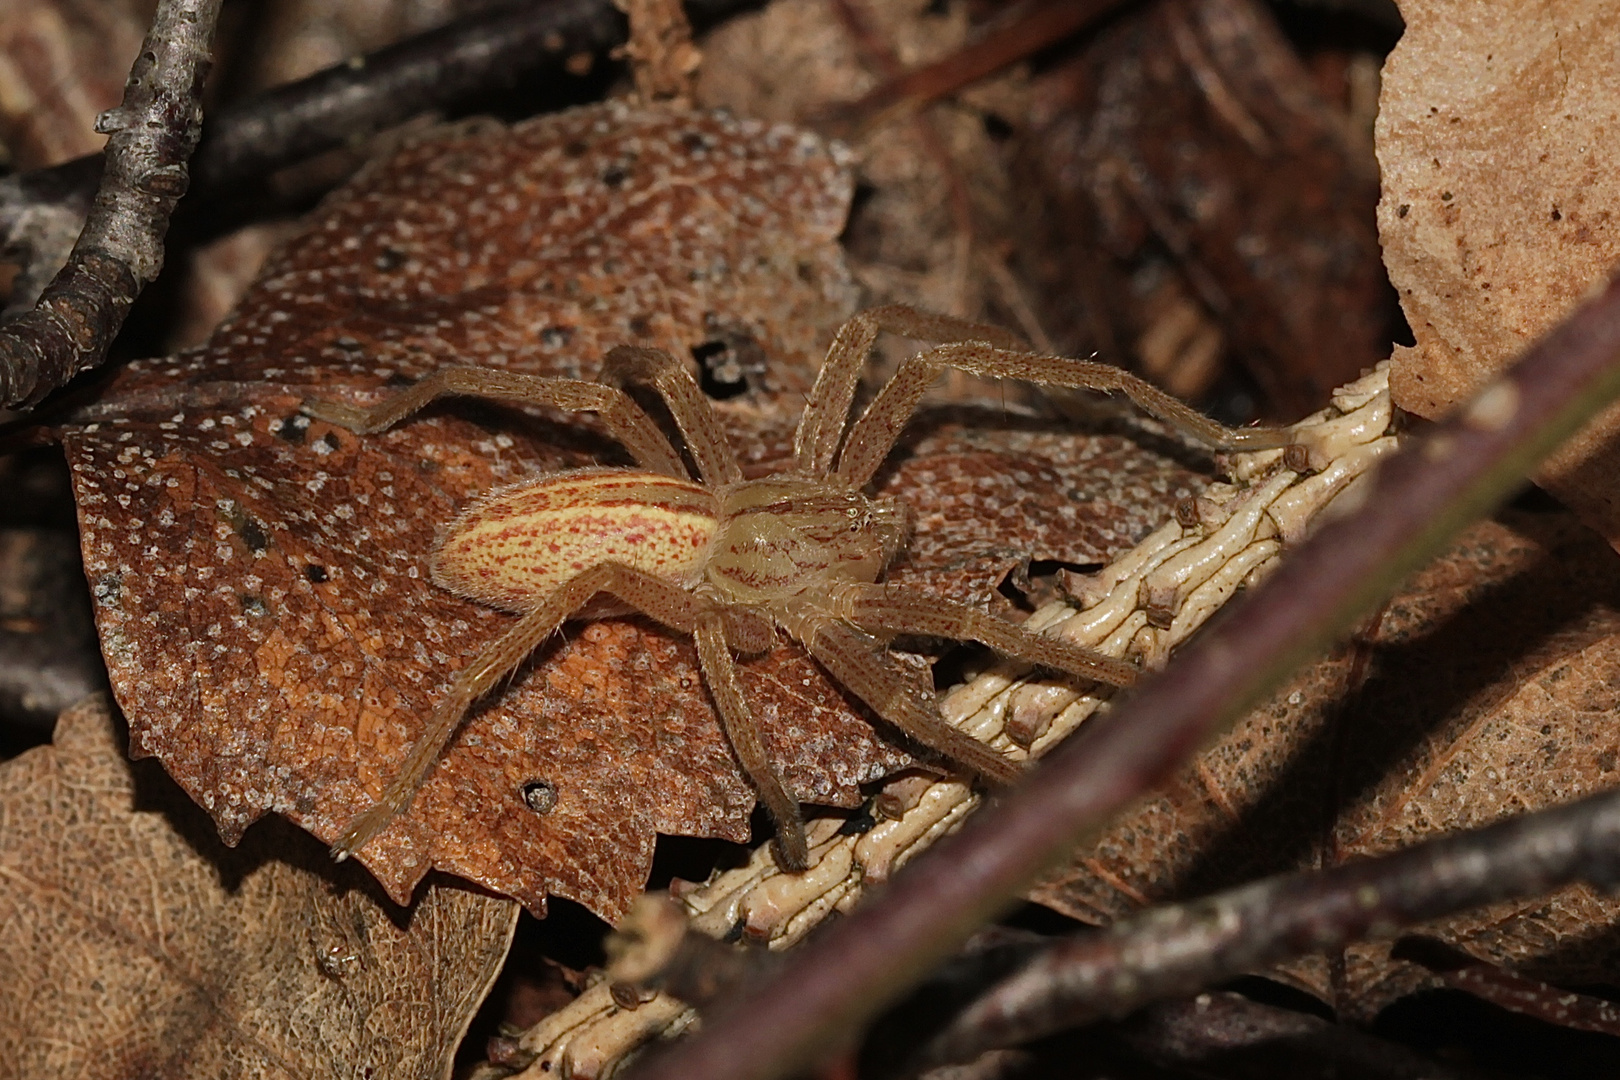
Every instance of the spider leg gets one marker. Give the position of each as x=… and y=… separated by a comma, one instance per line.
x=662, y=600
x=822, y=425
x=874, y=434
x=624, y=419
x=863, y=665
x=887, y=608
x=655, y=368
x=737, y=719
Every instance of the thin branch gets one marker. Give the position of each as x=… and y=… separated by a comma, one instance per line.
x=488, y=52
x=1177, y=950
x=120, y=250
x=1418, y=500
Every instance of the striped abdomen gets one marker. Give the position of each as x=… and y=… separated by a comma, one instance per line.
x=511, y=548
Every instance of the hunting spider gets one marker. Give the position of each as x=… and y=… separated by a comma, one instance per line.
x=728, y=560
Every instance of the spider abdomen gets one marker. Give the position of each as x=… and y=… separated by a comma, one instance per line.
x=513, y=547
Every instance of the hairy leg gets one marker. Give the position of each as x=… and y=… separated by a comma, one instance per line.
x=863, y=665
x=638, y=365
x=825, y=414
x=874, y=434
x=737, y=720
x=888, y=608
x=667, y=603
x=624, y=419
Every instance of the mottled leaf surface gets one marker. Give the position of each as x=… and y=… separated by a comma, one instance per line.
x=1487, y=689
x=137, y=944
x=261, y=581
x=1497, y=215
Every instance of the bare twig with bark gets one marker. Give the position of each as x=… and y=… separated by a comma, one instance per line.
x=1179, y=949
x=150, y=139
x=1417, y=501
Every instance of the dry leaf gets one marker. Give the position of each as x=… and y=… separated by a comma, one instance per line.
x=1495, y=135
x=1190, y=127
x=261, y=581
x=935, y=192
x=1488, y=692
x=137, y=945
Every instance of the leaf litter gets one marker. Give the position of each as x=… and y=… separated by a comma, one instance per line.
x=1484, y=691
x=137, y=945
x=260, y=580
x=1494, y=131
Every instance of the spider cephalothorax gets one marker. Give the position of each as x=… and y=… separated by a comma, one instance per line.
x=731, y=560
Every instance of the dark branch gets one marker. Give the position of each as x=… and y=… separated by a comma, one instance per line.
x=1177, y=950
x=151, y=136
x=492, y=51
x=1415, y=503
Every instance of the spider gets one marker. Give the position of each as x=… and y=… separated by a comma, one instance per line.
x=730, y=560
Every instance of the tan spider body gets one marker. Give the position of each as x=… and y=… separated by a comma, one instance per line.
x=731, y=560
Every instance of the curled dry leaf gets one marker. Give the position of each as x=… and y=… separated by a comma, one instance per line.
x=1485, y=690
x=137, y=945
x=1495, y=131
x=261, y=581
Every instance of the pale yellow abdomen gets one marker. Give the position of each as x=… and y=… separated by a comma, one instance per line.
x=513, y=547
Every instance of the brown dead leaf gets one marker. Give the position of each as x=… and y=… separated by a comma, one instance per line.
x=61, y=65
x=137, y=945
x=1488, y=691
x=991, y=492
x=261, y=581
x=1495, y=131
x=1189, y=130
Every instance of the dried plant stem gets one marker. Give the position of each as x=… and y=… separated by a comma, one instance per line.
x=120, y=250
x=1179, y=949
x=1417, y=500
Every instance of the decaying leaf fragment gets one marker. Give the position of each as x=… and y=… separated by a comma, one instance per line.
x=138, y=945
x=1496, y=134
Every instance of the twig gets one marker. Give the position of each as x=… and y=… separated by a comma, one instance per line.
x=1176, y=950
x=1416, y=501
x=490, y=51
x=151, y=136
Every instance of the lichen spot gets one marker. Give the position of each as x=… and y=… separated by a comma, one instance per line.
x=513, y=547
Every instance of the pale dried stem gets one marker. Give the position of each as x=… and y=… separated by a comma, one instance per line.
x=1188, y=570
